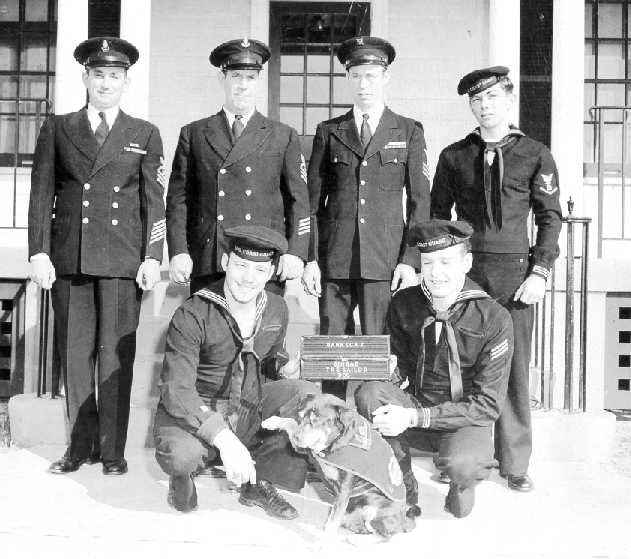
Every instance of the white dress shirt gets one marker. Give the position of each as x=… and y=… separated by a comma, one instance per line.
x=374, y=116
x=244, y=118
x=95, y=119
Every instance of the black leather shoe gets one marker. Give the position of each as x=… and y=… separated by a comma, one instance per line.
x=65, y=465
x=520, y=482
x=115, y=467
x=264, y=495
x=182, y=493
x=94, y=458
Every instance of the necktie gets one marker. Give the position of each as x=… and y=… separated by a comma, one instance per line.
x=365, y=133
x=237, y=126
x=102, y=130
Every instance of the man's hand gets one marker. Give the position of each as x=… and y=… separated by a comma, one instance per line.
x=180, y=268
x=532, y=290
x=148, y=274
x=402, y=277
x=291, y=369
x=392, y=365
x=391, y=420
x=311, y=279
x=235, y=457
x=289, y=267
x=42, y=271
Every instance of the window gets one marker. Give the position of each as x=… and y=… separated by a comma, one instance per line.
x=607, y=82
x=307, y=84
x=27, y=67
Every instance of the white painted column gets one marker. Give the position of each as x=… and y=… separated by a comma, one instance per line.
x=72, y=28
x=135, y=27
x=568, y=39
x=259, y=30
x=504, y=39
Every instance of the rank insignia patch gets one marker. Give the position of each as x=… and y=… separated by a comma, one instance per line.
x=547, y=188
x=303, y=168
x=161, y=175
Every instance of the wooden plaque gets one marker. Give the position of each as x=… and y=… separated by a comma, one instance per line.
x=344, y=357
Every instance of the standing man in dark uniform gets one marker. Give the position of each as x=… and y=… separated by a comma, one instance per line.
x=453, y=344
x=494, y=177
x=236, y=167
x=96, y=229
x=214, y=389
x=360, y=165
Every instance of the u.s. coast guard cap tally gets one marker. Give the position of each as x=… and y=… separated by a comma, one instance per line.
x=240, y=54
x=437, y=234
x=106, y=51
x=482, y=79
x=256, y=242
x=365, y=50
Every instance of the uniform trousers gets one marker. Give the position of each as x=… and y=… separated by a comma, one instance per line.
x=96, y=320
x=500, y=275
x=179, y=452
x=466, y=454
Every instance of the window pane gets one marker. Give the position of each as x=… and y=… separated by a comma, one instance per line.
x=8, y=88
x=341, y=92
x=319, y=64
x=613, y=143
x=318, y=89
x=345, y=27
x=29, y=128
x=588, y=20
x=33, y=56
x=588, y=143
x=610, y=94
x=36, y=10
x=6, y=187
x=292, y=116
x=610, y=20
x=292, y=63
x=590, y=101
x=610, y=61
x=315, y=115
x=9, y=10
x=291, y=89
x=7, y=134
x=319, y=28
x=590, y=61
x=338, y=67
x=8, y=54
x=292, y=28
x=33, y=87
x=337, y=111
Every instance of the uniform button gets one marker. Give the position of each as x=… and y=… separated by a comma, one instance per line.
x=396, y=160
x=248, y=217
x=86, y=203
x=362, y=201
x=85, y=220
x=362, y=182
x=248, y=169
x=117, y=189
x=115, y=222
x=362, y=220
x=222, y=171
x=86, y=186
x=364, y=163
x=115, y=205
x=220, y=217
x=222, y=193
x=248, y=192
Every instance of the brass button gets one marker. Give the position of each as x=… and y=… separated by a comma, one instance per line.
x=117, y=189
x=115, y=222
x=248, y=169
x=86, y=203
x=396, y=160
x=220, y=217
x=248, y=217
x=362, y=182
x=85, y=220
x=362, y=220
x=364, y=163
x=115, y=205
x=86, y=186
x=362, y=201
x=222, y=171
x=248, y=192
x=222, y=193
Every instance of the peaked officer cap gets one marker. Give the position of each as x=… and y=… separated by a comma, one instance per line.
x=106, y=51
x=365, y=50
x=240, y=54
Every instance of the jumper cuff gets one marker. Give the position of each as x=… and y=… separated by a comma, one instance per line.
x=540, y=271
x=423, y=418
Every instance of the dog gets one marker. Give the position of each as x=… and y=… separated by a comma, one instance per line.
x=354, y=461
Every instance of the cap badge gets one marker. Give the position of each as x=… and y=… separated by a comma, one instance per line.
x=105, y=47
x=245, y=43
x=360, y=41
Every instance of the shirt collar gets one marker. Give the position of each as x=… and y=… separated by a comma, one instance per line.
x=110, y=115
x=374, y=115
x=244, y=117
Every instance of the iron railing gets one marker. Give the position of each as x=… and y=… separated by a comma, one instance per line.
x=546, y=335
x=607, y=117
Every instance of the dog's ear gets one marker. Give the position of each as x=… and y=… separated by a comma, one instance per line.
x=349, y=419
x=296, y=405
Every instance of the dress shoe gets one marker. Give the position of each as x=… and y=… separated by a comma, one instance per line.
x=264, y=495
x=521, y=482
x=443, y=477
x=115, y=467
x=65, y=465
x=413, y=511
x=182, y=493
x=459, y=501
x=94, y=458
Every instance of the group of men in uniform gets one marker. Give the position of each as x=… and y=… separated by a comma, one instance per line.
x=243, y=215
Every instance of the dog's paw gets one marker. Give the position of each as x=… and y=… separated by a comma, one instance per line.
x=276, y=423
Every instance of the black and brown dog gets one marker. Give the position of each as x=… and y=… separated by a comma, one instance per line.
x=354, y=461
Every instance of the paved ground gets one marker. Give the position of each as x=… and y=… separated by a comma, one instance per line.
x=578, y=510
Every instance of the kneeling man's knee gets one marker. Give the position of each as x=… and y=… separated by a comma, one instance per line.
x=178, y=457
